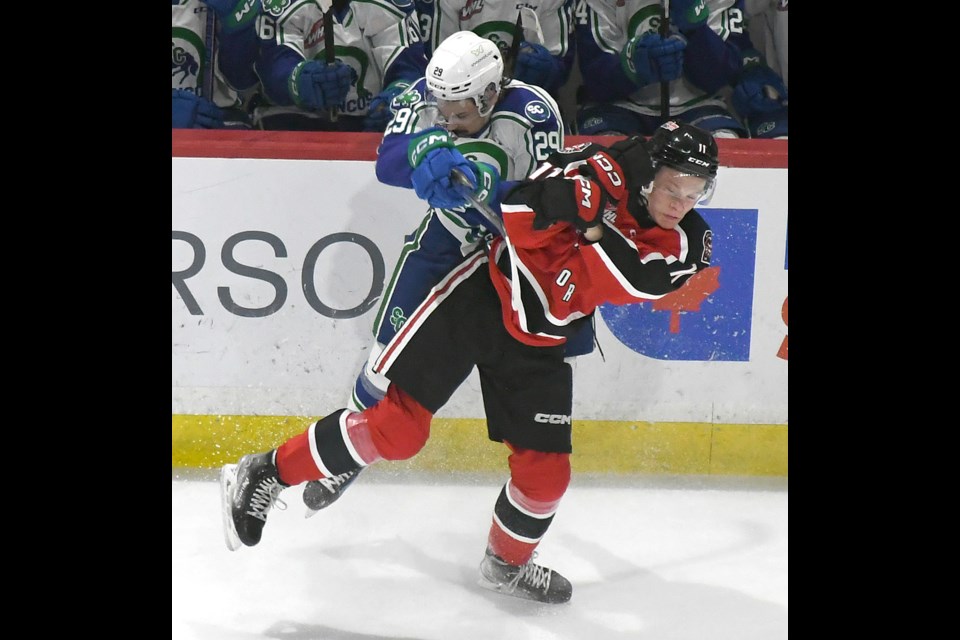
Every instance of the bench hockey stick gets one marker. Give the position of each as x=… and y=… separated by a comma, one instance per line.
x=328, y=52
x=328, y=7
x=210, y=42
x=664, y=85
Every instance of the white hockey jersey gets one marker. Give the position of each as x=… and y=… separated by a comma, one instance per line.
x=189, y=45
x=545, y=22
x=369, y=36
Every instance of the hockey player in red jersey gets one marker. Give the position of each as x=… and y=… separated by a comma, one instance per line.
x=591, y=225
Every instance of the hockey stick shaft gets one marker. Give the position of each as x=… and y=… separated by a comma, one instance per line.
x=210, y=42
x=664, y=84
x=458, y=177
x=328, y=50
x=514, y=46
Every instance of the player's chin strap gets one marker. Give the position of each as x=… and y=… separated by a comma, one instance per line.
x=458, y=177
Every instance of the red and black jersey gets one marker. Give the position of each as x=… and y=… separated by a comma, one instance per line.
x=551, y=280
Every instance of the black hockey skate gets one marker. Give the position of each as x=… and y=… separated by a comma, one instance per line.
x=530, y=581
x=248, y=490
x=320, y=494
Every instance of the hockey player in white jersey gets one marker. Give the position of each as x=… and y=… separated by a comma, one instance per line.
x=463, y=114
x=716, y=79
x=376, y=54
x=229, y=82
x=767, y=26
x=546, y=51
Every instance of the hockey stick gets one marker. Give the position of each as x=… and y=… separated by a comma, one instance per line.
x=514, y=51
x=328, y=51
x=664, y=84
x=459, y=178
x=210, y=42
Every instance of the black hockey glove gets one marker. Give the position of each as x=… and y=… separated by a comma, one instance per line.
x=578, y=200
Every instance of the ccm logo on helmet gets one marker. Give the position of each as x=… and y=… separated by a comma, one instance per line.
x=552, y=418
x=698, y=161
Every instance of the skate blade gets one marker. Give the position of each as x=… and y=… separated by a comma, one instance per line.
x=309, y=513
x=228, y=477
x=505, y=590
x=492, y=586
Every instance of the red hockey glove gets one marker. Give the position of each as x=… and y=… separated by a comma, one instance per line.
x=591, y=201
x=604, y=170
x=577, y=200
x=632, y=157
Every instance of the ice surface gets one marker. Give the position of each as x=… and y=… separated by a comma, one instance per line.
x=650, y=557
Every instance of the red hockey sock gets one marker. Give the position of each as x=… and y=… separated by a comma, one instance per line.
x=295, y=462
x=508, y=548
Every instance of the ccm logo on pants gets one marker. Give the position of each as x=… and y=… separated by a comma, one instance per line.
x=552, y=418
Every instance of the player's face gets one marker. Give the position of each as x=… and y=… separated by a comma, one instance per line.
x=461, y=117
x=674, y=194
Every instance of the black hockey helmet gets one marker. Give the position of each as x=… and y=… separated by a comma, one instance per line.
x=689, y=149
x=686, y=148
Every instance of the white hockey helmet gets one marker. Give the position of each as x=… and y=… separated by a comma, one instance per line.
x=466, y=66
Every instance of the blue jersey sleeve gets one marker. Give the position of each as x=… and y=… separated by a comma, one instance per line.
x=236, y=56
x=274, y=67
x=709, y=62
x=392, y=166
x=408, y=66
x=602, y=73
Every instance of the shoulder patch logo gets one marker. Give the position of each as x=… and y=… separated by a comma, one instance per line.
x=537, y=111
x=707, y=246
x=406, y=99
x=275, y=7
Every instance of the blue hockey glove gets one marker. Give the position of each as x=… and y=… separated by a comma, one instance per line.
x=687, y=15
x=649, y=58
x=431, y=179
x=535, y=65
x=759, y=91
x=317, y=85
x=190, y=111
x=427, y=141
x=235, y=15
x=379, y=112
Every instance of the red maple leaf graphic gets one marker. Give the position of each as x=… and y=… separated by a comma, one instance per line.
x=689, y=296
x=782, y=352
